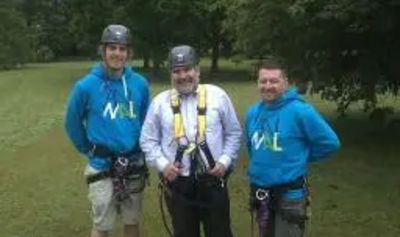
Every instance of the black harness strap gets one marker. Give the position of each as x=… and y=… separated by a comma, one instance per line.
x=207, y=153
x=298, y=183
x=180, y=152
x=99, y=176
x=104, y=152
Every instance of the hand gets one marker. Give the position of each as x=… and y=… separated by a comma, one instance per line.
x=171, y=171
x=218, y=170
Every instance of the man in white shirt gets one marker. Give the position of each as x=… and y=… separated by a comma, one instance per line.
x=191, y=135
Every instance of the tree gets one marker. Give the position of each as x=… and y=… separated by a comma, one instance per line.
x=211, y=32
x=347, y=44
x=14, y=47
x=87, y=21
x=48, y=22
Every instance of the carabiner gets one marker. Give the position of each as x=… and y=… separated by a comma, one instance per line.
x=262, y=194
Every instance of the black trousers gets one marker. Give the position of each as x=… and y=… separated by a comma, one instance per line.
x=194, y=201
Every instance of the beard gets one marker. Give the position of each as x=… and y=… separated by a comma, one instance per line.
x=186, y=87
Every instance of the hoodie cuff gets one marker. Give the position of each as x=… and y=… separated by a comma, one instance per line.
x=225, y=161
x=161, y=163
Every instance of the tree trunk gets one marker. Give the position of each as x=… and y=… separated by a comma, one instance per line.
x=215, y=55
x=146, y=61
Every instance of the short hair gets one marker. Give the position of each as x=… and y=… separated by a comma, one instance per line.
x=272, y=64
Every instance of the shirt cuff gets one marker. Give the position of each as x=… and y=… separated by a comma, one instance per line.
x=225, y=161
x=161, y=163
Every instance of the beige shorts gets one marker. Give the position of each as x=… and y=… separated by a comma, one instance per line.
x=104, y=207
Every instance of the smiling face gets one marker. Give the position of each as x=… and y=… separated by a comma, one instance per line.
x=115, y=56
x=185, y=79
x=271, y=84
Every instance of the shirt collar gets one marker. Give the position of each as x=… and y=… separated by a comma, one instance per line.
x=194, y=93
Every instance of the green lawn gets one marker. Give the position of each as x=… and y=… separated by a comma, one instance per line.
x=43, y=193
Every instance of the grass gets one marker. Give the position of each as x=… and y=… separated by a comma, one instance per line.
x=42, y=191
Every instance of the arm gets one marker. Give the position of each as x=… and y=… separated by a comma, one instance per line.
x=75, y=119
x=150, y=139
x=232, y=133
x=146, y=101
x=322, y=140
x=247, y=135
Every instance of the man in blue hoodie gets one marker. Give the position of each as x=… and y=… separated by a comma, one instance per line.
x=104, y=116
x=284, y=134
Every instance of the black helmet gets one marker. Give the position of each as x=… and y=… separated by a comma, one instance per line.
x=182, y=56
x=117, y=34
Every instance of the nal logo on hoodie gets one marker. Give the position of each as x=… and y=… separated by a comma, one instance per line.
x=120, y=110
x=261, y=139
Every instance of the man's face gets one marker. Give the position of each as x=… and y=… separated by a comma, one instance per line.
x=185, y=79
x=115, y=56
x=271, y=84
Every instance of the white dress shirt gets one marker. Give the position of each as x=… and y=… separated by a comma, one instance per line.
x=223, y=132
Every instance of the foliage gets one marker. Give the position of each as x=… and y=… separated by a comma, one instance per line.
x=14, y=47
x=347, y=48
x=325, y=40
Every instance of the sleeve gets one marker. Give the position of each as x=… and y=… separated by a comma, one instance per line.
x=74, y=122
x=320, y=137
x=232, y=133
x=150, y=139
x=247, y=135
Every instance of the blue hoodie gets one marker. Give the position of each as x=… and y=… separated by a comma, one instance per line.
x=283, y=137
x=107, y=111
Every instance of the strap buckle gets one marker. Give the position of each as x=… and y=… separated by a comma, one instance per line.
x=262, y=194
x=190, y=148
x=122, y=161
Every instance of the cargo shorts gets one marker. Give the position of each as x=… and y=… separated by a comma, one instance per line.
x=105, y=209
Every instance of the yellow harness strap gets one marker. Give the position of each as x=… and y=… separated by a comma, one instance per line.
x=201, y=113
x=179, y=130
x=178, y=125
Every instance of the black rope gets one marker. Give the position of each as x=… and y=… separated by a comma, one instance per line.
x=161, y=201
x=251, y=223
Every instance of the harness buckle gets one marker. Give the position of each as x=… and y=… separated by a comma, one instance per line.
x=190, y=148
x=122, y=161
x=262, y=194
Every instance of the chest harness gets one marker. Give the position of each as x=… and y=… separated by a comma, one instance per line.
x=184, y=145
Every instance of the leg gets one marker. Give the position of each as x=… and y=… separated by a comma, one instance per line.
x=103, y=205
x=290, y=218
x=98, y=233
x=271, y=224
x=216, y=218
x=185, y=217
x=131, y=211
x=131, y=231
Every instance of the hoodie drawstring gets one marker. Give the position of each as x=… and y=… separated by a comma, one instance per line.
x=125, y=87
